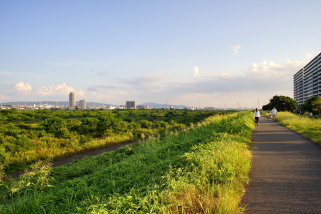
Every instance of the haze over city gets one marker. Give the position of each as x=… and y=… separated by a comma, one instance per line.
x=193, y=53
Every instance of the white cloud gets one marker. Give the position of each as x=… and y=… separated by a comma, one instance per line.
x=100, y=72
x=81, y=93
x=101, y=87
x=60, y=89
x=102, y=97
x=196, y=71
x=282, y=71
x=260, y=80
x=236, y=50
x=22, y=88
x=144, y=81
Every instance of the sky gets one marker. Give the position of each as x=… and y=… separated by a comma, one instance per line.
x=179, y=52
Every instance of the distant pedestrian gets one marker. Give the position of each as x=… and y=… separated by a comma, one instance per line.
x=311, y=114
x=274, y=112
x=256, y=116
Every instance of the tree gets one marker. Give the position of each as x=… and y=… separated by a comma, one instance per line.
x=316, y=105
x=266, y=107
x=110, y=125
x=308, y=106
x=282, y=103
x=57, y=126
x=145, y=124
x=88, y=125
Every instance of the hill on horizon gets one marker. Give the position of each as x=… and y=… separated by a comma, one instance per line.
x=157, y=105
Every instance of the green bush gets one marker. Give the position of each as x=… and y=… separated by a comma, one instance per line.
x=4, y=156
x=56, y=126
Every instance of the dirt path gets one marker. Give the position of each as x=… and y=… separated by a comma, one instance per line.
x=285, y=174
x=78, y=156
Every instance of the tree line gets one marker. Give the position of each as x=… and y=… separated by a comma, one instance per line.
x=284, y=103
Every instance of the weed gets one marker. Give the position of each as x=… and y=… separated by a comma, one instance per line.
x=305, y=126
x=201, y=169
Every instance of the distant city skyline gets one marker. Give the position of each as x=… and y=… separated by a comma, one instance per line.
x=193, y=53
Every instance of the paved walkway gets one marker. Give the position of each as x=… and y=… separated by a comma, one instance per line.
x=285, y=174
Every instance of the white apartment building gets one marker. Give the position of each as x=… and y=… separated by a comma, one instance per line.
x=307, y=81
x=82, y=104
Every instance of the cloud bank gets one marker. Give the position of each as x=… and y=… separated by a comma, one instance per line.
x=22, y=88
x=258, y=81
x=196, y=70
x=60, y=89
x=236, y=49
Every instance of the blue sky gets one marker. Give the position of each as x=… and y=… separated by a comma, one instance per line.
x=195, y=53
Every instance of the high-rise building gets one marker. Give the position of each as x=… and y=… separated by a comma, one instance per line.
x=72, y=100
x=82, y=104
x=130, y=105
x=307, y=81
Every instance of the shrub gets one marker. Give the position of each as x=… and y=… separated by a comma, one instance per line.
x=4, y=157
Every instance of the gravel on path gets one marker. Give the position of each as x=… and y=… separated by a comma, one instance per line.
x=285, y=174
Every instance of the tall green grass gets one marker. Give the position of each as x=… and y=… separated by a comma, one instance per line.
x=200, y=170
x=305, y=126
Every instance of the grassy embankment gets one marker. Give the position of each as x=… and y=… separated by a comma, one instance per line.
x=199, y=170
x=27, y=136
x=305, y=126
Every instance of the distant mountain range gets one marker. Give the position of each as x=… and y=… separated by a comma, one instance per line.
x=66, y=103
x=157, y=105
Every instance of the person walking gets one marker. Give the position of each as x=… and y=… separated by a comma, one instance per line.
x=256, y=116
x=274, y=111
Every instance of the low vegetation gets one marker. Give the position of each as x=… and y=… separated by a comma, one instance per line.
x=27, y=136
x=202, y=169
x=302, y=124
x=312, y=104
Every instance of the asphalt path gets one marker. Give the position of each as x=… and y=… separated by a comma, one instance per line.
x=285, y=174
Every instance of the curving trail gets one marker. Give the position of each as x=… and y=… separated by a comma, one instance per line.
x=285, y=174
x=63, y=161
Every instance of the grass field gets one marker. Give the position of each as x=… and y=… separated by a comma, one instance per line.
x=305, y=126
x=27, y=136
x=200, y=170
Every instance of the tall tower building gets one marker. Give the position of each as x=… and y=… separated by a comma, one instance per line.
x=72, y=100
